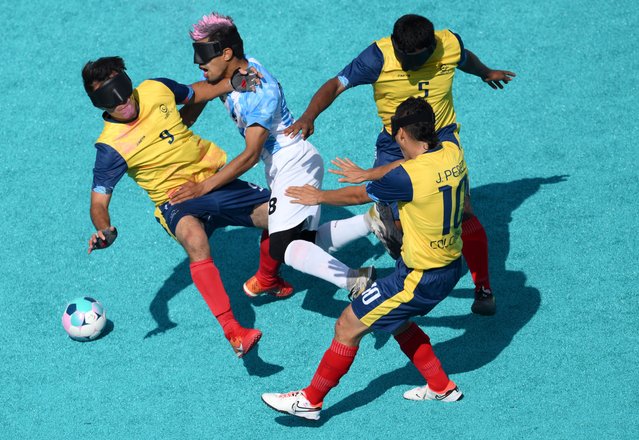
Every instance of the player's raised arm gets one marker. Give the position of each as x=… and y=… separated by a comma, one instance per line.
x=493, y=78
x=203, y=92
x=322, y=99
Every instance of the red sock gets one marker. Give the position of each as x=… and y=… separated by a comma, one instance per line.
x=207, y=279
x=267, y=272
x=416, y=345
x=475, y=251
x=335, y=364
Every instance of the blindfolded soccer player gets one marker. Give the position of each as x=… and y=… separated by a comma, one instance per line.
x=429, y=187
x=416, y=61
x=144, y=136
x=261, y=117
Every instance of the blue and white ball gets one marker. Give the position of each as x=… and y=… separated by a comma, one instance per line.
x=84, y=319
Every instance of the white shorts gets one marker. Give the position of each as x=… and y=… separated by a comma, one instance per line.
x=296, y=165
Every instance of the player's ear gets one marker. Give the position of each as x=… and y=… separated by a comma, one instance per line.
x=401, y=135
x=227, y=54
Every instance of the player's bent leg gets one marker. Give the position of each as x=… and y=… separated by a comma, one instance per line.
x=475, y=251
x=192, y=236
x=297, y=248
x=206, y=277
x=267, y=279
x=332, y=236
x=335, y=363
x=259, y=216
x=417, y=347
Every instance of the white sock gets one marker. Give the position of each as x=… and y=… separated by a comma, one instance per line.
x=333, y=235
x=309, y=258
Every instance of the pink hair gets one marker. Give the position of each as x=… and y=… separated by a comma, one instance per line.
x=209, y=24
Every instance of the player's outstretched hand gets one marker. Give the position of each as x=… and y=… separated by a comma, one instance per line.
x=304, y=195
x=246, y=81
x=103, y=238
x=187, y=191
x=495, y=78
x=304, y=124
x=350, y=171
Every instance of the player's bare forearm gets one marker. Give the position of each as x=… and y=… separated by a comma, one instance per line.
x=205, y=91
x=309, y=195
x=190, y=112
x=99, y=210
x=380, y=171
x=255, y=136
x=232, y=170
x=353, y=173
x=323, y=98
x=347, y=196
x=496, y=79
x=474, y=66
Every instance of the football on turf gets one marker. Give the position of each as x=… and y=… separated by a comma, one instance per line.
x=84, y=319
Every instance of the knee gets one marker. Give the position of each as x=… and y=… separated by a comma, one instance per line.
x=345, y=333
x=194, y=240
x=280, y=241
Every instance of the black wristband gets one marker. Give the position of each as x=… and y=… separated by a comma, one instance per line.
x=244, y=83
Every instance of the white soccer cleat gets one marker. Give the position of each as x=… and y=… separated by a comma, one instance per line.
x=450, y=394
x=360, y=280
x=294, y=403
x=380, y=221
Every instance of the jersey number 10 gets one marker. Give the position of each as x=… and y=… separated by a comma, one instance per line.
x=447, y=193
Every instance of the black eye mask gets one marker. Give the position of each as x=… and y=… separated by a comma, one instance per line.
x=205, y=52
x=412, y=60
x=115, y=91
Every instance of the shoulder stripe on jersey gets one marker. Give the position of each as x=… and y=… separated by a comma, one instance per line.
x=183, y=93
x=462, y=59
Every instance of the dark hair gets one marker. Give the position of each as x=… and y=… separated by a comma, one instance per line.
x=228, y=36
x=100, y=70
x=421, y=131
x=413, y=32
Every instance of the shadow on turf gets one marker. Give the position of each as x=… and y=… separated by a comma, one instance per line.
x=236, y=254
x=484, y=338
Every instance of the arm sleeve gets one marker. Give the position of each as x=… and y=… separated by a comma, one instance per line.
x=109, y=168
x=183, y=93
x=395, y=186
x=365, y=69
x=462, y=59
x=261, y=106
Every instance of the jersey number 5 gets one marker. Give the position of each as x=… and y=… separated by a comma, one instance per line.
x=447, y=193
x=422, y=87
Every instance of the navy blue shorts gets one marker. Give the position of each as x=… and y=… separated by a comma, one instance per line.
x=393, y=300
x=230, y=205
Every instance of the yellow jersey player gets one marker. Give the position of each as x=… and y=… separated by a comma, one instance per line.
x=144, y=136
x=429, y=188
x=415, y=61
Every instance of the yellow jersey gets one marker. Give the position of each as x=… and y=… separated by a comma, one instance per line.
x=157, y=149
x=378, y=65
x=430, y=191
